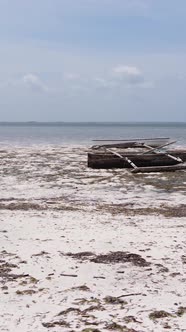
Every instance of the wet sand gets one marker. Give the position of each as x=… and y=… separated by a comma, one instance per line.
x=89, y=250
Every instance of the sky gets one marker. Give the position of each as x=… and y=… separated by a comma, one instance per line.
x=93, y=60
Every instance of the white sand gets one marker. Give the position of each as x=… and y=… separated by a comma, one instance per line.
x=78, y=209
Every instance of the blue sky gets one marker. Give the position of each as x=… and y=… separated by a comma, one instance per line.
x=90, y=60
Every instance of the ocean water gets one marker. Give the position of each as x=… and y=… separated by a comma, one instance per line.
x=83, y=133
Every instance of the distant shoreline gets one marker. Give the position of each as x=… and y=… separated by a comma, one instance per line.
x=92, y=123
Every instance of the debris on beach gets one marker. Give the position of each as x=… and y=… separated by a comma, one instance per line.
x=159, y=314
x=111, y=258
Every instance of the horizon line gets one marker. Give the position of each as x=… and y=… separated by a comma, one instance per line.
x=90, y=122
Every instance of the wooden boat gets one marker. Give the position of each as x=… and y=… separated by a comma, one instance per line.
x=140, y=155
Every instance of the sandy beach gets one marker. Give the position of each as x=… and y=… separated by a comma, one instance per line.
x=89, y=250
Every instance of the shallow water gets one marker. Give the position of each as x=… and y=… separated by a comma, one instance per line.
x=52, y=134
x=60, y=173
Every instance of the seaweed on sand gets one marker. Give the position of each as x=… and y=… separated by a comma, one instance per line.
x=56, y=323
x=159, y=314
x=117, y=327
x=111, y=258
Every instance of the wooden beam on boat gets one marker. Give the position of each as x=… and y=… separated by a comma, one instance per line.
x=137, y=142
x=123, y=157
x=160, y=147
x=117, y=145
x=131, y=140
x=159, y=169
x=178, y=159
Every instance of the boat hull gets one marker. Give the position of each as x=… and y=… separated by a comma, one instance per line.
x=108, y=160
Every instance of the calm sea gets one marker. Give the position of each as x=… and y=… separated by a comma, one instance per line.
x=84, y=133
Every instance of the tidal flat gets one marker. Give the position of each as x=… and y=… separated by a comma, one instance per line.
x=89, y=250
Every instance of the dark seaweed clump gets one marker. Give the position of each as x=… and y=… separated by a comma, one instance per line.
x=111, y=258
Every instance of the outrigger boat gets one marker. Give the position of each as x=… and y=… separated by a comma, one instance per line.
x=139, y=155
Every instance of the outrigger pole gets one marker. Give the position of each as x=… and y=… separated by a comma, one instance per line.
x=122, y=157
x=129, y=140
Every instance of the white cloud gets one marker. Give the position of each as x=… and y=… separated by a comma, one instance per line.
x=126, y=70
x=71, y=76
x=34, y=82
x=99, y=86
x=122, y=76
x=128, y=74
